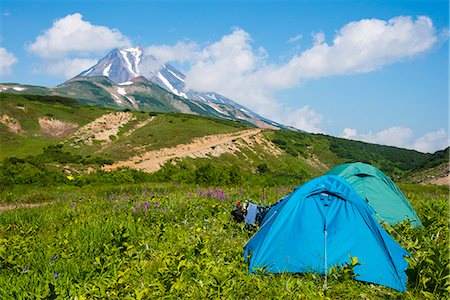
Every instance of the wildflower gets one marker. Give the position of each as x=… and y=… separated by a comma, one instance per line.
x=56, y=275
x=54, y=257
x=137, y=207
x=164, y=210
x=74, y=206
x=146, y=204
x=25, y=270
x=156, y=204
x=263, y=197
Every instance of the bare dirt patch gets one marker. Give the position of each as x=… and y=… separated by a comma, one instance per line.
x=211, y=145
x=441, y=181
x=139, y=125
x=315, y=162
x=101, y=129
x=12, y=124
x=56, y=128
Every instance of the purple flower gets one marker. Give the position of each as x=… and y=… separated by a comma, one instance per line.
x=56, y=275
x=164, y=210
x=74, y=206
x=137, y=207
x=25, y=270
x=146, y=204
x=263, y=197
x=156, y=204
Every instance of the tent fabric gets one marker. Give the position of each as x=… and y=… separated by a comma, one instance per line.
x=321, y=224
x=383, y=195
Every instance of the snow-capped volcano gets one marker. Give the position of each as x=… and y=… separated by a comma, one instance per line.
x=122, y=66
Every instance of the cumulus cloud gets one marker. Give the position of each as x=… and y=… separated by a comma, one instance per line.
x=296, y=38
x=226, y=65
x=72, y=34
x=349, y=133
x=402, y=137
x=303, y=118
x=432, y=141
x=69, y=67
x=181, y=52
x=234, y=68
x=7, y=60
x=365, y=46
x=72, y=45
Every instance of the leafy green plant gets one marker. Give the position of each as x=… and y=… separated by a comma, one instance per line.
x=171, y=240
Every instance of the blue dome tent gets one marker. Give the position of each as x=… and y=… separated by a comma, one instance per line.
x=321, y=224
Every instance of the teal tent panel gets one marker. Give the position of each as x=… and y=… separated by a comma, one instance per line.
x=388, y=202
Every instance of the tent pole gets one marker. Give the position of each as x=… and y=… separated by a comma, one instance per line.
x=325, y=258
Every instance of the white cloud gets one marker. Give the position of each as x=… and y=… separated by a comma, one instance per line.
x=71, y=45
x=402, y=137
x=234, y=68
x=224, y=65
x=365, y=46
x=349, y=133
x=318, y=38
x=181, y=52
x=72, y=34
x=296, y=38
x=432, y=141
x=69, y=67
x=303, y=118
x=7, y=60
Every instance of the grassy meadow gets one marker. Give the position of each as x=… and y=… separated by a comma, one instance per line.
x=127, y=234
x=170, y=241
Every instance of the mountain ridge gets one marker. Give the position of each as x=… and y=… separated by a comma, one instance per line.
x=123, y=65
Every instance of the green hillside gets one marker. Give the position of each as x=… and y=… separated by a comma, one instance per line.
x=58, y=135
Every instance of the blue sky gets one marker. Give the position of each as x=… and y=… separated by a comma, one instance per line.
x=368, y=70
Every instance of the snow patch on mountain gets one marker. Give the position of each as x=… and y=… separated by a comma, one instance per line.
x=178, y=77
x=106, y=70
x=170, y=86
x=128, y=63
x=217, y=109
x=19, y=89
x=121, y=91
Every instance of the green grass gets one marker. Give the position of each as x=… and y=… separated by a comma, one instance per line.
x=33, y=141
x=168, y=241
